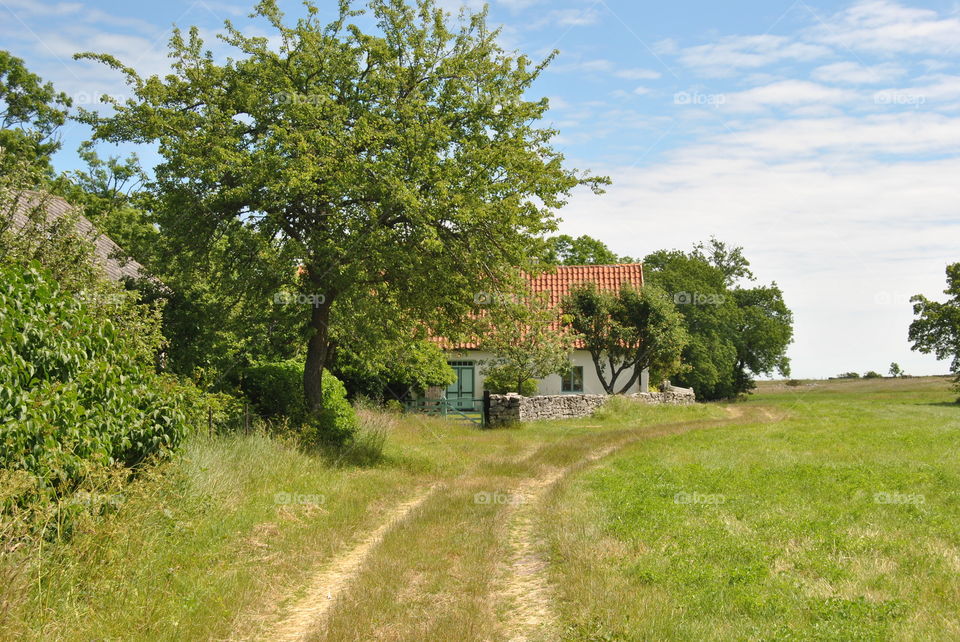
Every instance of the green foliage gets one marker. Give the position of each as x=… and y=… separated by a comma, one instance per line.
x=31, y=112
x=735, y=332
x=500, y=380
x=74, y=394
x=336, y=423
x=276, y=390
x=583, y=250
x=376, y=160
x=848, y=375
x=107, y=191
x=396, y=370
x=896, y=370
x=626, y=332
x=936, y=328
x=872, y=374
x=523, y=336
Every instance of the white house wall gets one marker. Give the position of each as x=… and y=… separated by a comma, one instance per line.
x=551, y=385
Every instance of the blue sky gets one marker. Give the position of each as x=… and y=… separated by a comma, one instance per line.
x=824, y=137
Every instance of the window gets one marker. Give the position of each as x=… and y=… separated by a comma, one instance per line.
x=573, y=380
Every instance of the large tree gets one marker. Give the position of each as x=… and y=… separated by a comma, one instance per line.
x=626, y=332
x=395, y=165
x=736, y=331
x=31, y=114
x=936, y=329
x=583, y=250
x=526, y=340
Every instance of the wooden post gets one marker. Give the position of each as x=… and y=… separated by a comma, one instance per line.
x=485, y=420
x=209, y=421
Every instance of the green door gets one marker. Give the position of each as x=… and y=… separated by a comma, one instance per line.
x=461, y=392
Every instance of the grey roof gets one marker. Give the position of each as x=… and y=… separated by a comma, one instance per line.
x=110, y=255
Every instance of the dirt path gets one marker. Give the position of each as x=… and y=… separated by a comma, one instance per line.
x=526, y=589
x=522, y=590
x=327, y=585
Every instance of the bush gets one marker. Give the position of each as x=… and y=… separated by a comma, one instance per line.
x=74, y=396
x=872, y=375
x=794, y=382
x=499, y=382
x=276, y=390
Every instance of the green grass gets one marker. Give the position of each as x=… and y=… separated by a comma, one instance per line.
x=842, y=521
x=758, y=520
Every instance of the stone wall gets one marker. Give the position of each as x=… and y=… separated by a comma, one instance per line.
x=512, y=408
x=675, y=397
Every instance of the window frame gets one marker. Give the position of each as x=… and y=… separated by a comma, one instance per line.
x=568, y=380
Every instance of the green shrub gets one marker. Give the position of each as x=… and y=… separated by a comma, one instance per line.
x=499, y=382
x=74, y=394
x=276, y=390
x=794, y=382
x=872, y=375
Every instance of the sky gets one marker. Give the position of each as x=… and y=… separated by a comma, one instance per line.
x=823, y=137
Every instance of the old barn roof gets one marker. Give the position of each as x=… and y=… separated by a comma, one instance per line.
x=109, y=255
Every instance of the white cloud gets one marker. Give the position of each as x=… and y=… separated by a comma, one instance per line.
x=786, y=93
x=886, y=27
x=855, y=73
x=734, y=53
x=637, y=74
x=572, y=17
x=849, y=241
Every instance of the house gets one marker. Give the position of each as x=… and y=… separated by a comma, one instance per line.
x=468, y=360
x=22, y=219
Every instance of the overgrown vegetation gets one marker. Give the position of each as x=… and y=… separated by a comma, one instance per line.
x=72, y=389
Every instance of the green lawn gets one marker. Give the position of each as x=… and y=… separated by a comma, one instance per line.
x=824, y=511
x=842, y=521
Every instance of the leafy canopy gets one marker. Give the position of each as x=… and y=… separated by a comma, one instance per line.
x=31, y=113
x=522, y=333
x=736, y=332
x=626, y=332
x=936, y=328
x=395, y=166
x=583, y=250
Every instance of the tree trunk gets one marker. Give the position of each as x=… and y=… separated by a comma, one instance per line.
x=318, y=349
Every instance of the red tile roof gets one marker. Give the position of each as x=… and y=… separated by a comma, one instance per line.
x=607, y=277
x=557, y=285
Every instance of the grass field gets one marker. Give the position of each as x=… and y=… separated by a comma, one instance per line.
x=839, y=520
x=825, y=511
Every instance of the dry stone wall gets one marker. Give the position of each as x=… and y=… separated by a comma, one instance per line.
x=513, y=408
